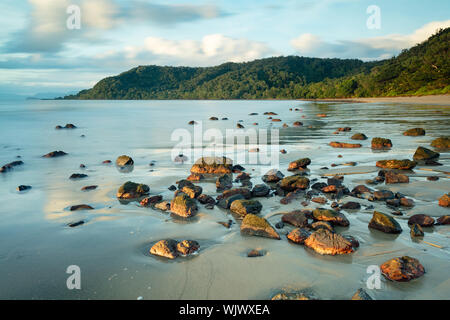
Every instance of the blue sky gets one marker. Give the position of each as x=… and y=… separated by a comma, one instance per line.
x=38, y=53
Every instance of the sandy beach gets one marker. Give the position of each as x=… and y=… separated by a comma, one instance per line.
x=438, y=100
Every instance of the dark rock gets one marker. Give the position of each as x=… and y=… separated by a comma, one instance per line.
x=81, y=207
x=393, y=202
x=396, y=164
x=402, y=269
x=293, y=195
x=279, y=225
x=260, y=190
x=384, y=223
x=296, y=218
x=214, y=118
x=322, y=225
x=298, y=235
x=184, y=206
x=324, y=241
x=360, y=189
x=444, y=220
x=272, y=176
x=78, y=176
x=131, y=190
x=320, y=200
x=336, y=218
x=54, y=154
x=124, y=160
x=88, y=188
x=75, y=224
x=226, y=202
x=392, y=177
x=192, y=122
x=345, y=145
x=253, y=225
x=226, y=224
x=255, y=253
x=10, y=166
x=351, y=206
x=297, y=124
x=422, y=220
x=237, y=168
x=244, y=207
x=187, y=247
x=416, y=231
x=195, y=177
x=192, y=191
x=239, y=126
x=172, y=188
x=23, y=188
x=205, y=199
x=405, y=202
x=383, y=195
x=150, y=201
x=318, y=185
x=423, y=154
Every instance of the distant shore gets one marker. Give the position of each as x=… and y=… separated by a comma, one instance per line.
x=442, y=100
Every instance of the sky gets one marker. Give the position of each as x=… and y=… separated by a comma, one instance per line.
x=43, y=48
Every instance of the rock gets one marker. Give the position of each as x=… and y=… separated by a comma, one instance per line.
x=392, y=177
x=184, y=206
x=414, y=132
x=272, y=176
x=89, y=188
x=10, y=166
x=131, y=190
x=124, y=160
x=276, y=120
x=81, y=207
x=351, y=205
x=322, y=225
x=381, y=143
x=383, y=195
x=226, y=202
x=150, y=201
x=297, y=124
x=295, y=296
x=106, y=162
x=260, y=190
x=384, y=223
x=344, y=129
x=359, y=136
x=416, y=231
x=181, y=158
x=205, y=199
x=228, y=193
x=444, y=220
x=318, y=185
x=444, y=201
x=54, y=154
x=330, y=189
x=295, y=182
x=212, y=165
x=82, y=166
x=321, y=200
x=422, y=220
x=296, y=218
x=402, y=269
x=237, y=168
x=78, y=176
x=253, y=225
x=172, y=188
x=405, y=202
x=226, y=224
x=242, y=176
x=75, y=224
x=244, y=207
x=253, y=114
x=239, y=126
x=336, y=218
x=396, y=164
x=255, y=253
x=165, y=248
x=184, y=183
x=23, y=188
x=195, y=177
x=442, y=143
x=293, y=195
x=324, y=241
x=423, y=154
x=335, y=181
x=299, y=164
x=192, y=191
x=336, y=144
x=163, y=205
x=214, y=118
x=283, y=151
x=361, y=294
x=393, y=202
x=298, y=235
x=187, y=247
x=192, y=122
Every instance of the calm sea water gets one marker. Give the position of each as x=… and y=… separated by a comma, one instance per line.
x=111, y=248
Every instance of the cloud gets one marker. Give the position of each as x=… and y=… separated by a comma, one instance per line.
x=212, y=49
x=373, y=48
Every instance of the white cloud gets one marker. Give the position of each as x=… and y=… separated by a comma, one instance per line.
x=367, y=49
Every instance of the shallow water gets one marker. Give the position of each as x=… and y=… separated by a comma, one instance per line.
x=112, y=247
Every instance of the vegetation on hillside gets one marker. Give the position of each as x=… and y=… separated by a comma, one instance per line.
x=423, y=69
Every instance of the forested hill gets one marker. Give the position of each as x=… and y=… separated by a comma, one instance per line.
x=423, y=69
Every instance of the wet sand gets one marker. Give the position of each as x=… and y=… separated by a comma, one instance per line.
x=439, y=100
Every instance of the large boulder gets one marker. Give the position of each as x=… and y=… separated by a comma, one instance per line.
x=184, y=206
x=422, y=220
x=384, y=223
x=402, y=269
x=132, y=190
x=253, y=225
x=442, y=143
x=296, y=218
x=324, y=241
x=414, y=132
x=444, y=201
x=272, y=175
x=293, y=183
x=396, y=164
x=336, y=218
x=299, y=164
x=381, y=143
x=244, y=207
x=212, y=165
x=423, y=154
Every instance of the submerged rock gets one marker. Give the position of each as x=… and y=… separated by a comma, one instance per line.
x=381, y=143
x=359, y=136
x=272, y=176
x=54, y=154
x=442, y=143
x=131, y=190
x=336, y=218
x=75, y=224
x=10, y=166
x=416, y=231
x=299, y=164
x=361, y=294
x=293, y=183
x=422, y=220
x=253, y=225
x=396, y=164
x=89, y=188
x=184, y=206
x=324, y=241
x=423, y=154
x=212, y=165
x=384, y=223
x=298, y=235
x=296, y=218
x=75, y=176
x=244, y=207
x=414, y=132
x=402, y=269
x=444, y=201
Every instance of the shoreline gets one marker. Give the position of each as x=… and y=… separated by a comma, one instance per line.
x=441, y=100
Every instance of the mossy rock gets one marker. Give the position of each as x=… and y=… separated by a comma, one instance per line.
x=293, y=183
x=381, y=143
x=184, y=206
x=244, y=207
x=299, y=164
x=404, y=164
x=415, y=132
x=132, y=190
x=212, y=165
x=384, y=223
x=423, y=154
x=442, y=143
x=253, y=225
x=324, y=241
x=328, y=215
